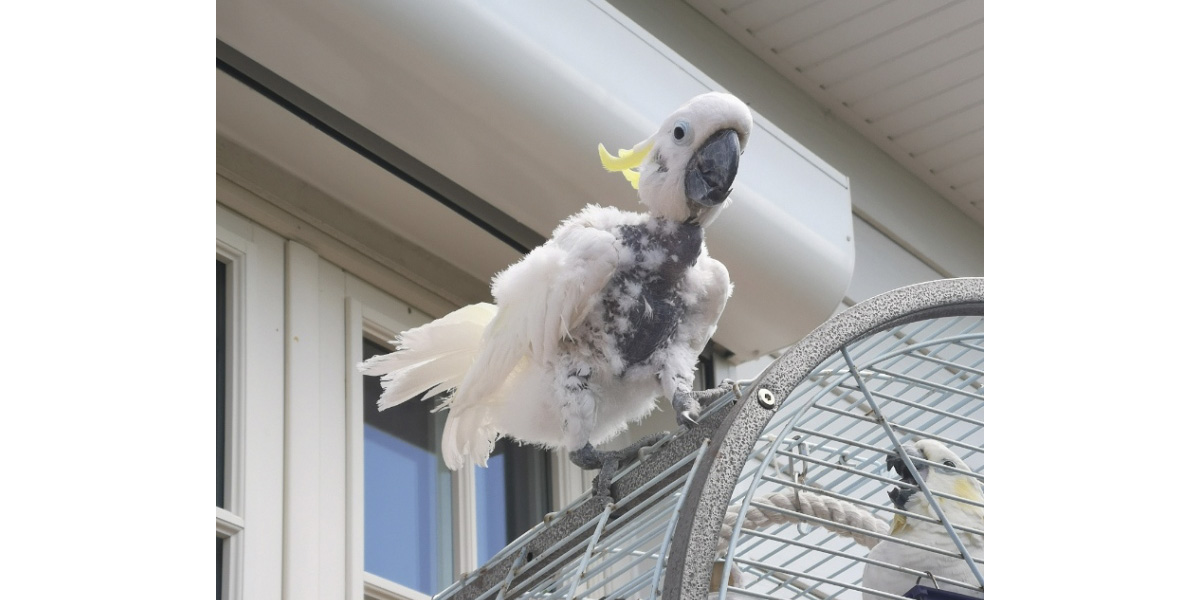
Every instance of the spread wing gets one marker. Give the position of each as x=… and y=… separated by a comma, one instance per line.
x=539, y=300
x=554, y=288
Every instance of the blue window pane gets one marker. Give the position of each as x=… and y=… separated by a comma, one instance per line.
x=407, y=504
x=491, y=508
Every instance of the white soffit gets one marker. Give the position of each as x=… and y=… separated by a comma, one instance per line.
x=907, y=74
x=509, y=100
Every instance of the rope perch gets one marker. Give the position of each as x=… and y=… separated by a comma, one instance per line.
x=808, y=503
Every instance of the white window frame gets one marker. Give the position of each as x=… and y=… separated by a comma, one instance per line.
x=231, y=250
x=371, y=313
x=250, y=522
x=298, y=532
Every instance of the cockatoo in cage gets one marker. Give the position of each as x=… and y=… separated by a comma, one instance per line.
x=943, y=471
x=588, y=329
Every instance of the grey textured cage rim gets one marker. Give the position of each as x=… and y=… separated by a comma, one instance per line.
x=694, y=546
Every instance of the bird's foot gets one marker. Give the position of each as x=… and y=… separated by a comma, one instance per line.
x=688, y=403
x=610, y=461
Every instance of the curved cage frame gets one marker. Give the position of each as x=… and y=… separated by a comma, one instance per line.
x=697, y=538
x=669, y=516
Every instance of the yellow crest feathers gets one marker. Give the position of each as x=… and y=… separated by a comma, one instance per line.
x=626, y=161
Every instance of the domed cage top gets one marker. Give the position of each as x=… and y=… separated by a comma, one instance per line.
x=831, y=475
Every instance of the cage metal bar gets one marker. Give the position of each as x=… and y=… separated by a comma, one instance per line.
x=587, y=555
x=910, y=403
x=893, y=510
x=534, y=578
x=907, y=430
x=621, y=538
x=821, y=579
x=508, y=580
x=637, y=485
x=894, y=481
x=918, y=360
x=938, y=386
x=662, y=551
x=846, y=555
x=637, y=582
x=821, y=521
x=620, y=520
x=908, y=464
x=914, y=351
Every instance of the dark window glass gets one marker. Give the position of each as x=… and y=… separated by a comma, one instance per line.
x=220, y=571
x=511, y=495
x=705, y=376
x=221, y=300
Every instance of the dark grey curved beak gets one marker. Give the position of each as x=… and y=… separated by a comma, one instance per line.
x=710, y=172
x=899, y=496
x=894, y=462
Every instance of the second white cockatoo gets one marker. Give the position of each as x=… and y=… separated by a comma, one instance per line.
x=946, y=474
x=588, y=329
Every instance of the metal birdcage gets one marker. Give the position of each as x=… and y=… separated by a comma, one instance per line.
x=782, y=489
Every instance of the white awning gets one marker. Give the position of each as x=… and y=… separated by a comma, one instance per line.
x=509, y=99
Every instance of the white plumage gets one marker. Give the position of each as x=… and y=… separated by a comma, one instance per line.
x=939, y=479
x=589, y=328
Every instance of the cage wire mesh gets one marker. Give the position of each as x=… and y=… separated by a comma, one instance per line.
x=813, y=498
x=782, y=490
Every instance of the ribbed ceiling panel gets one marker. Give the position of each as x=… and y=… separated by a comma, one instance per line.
x=907, y=74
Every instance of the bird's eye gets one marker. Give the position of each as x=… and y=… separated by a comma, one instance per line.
x=948, y=463
x=682, y=132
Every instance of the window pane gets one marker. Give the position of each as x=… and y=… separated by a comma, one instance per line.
x=220, y=571
x=511, y=495
x=221, y=300
x=407, y=512
x=491, y=525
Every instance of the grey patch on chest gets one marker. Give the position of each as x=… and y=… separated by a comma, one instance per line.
x=642, y=305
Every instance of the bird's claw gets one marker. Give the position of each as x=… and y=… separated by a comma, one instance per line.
x=688, y=418
x=688, y=403
x=608, y=462
x=687, y=408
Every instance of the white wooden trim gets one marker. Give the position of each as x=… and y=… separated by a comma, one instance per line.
x=462, y=490
x=355, y=565
x=378, y=588
x=333, y=498
x=568, y=480
x=232, y=250
x=339, y=247
x=228, y=524
x=301, y=542
x=254, y=557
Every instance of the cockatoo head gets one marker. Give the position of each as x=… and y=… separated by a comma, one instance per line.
x=685, y=171
x=943, y=471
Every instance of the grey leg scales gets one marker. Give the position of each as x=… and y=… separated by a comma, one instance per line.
x=687, y=404
x=610, y=461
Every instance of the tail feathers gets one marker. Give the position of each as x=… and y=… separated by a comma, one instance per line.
x=469, y=435
x=424, y=379
x=431, y=358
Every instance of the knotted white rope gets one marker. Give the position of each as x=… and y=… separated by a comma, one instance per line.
x=807, y=503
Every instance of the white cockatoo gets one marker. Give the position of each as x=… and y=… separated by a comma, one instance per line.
x=943, y=472
x=588, y=329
